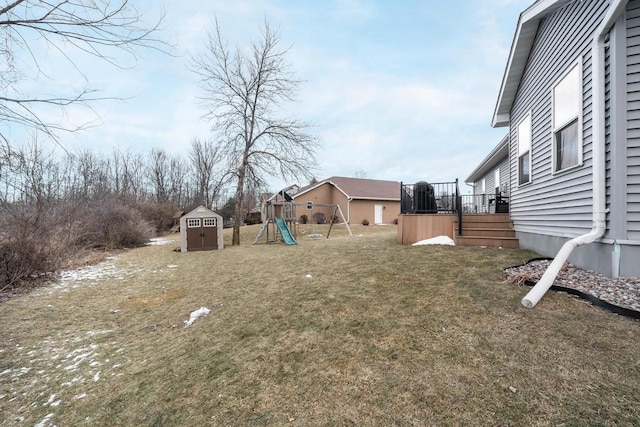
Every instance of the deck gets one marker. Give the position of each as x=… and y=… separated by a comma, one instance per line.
x=491, y=230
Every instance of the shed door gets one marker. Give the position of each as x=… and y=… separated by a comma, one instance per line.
x=202, y=234
x=209, y=233
x=194, y=231
x=377, y=214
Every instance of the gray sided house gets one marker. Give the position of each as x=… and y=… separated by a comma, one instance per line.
x=570, y=97
x=491, y=177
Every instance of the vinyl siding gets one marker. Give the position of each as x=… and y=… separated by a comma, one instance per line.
x=633, y=120
x=555, y=204
x=490, y=179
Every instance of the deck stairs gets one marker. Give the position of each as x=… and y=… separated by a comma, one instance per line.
x=490, y=230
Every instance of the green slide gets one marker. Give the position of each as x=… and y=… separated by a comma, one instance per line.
x=285, y=232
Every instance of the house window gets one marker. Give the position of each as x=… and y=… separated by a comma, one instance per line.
x=193, y=222
x=524, y=151
x=567, y=151
x=209, y=222
x=309, y=206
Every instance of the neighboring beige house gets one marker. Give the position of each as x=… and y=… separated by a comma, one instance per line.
x=376, y=201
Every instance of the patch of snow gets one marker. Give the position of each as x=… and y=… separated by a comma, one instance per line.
x=315, y=236
x=44, y=421
x=195, y=315
x=106, y=269
x=51, y=399
x=308, y=276
x=6, y=371
x=80, y=396
x=159, y=241
x=440, y=240
x=171, y=266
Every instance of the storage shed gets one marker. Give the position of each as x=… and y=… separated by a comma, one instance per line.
x=201, y=230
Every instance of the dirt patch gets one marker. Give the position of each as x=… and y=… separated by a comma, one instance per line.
x=153, y=300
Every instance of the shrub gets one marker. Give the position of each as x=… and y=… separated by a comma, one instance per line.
x=319, y=218
x=365, y=222
x=19, y=261
x=111, y=225
x=159, y=215
x=304, y=219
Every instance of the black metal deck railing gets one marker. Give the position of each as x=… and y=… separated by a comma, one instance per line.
x=445, y=197
x=423, y=197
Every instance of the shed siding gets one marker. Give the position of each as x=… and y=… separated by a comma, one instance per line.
x=555, y=204
x=633, y=120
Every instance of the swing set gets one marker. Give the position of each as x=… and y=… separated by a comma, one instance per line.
x=285, y=211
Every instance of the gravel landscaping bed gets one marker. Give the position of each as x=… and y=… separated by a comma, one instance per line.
x=622, y=292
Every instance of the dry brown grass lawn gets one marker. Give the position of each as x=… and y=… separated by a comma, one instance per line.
x=380, y=334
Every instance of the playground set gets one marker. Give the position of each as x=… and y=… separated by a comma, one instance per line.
x=281, y=221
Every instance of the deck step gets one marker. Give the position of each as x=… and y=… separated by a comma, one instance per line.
x=480, y=224
x=487, y=232
x=491, y=230
x=492, y=242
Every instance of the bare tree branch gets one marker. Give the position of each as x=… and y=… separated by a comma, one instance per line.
x=242, y=93
x=101, y=28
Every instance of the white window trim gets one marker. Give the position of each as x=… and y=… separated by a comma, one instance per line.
x=528, y=116
x=209, y=222
x=556, y=127
x=193, y=222
x=496, y=177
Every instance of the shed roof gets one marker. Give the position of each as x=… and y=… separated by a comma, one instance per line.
x=521, y=46
x=359, y=188
x=201, y=211
x=493, y=159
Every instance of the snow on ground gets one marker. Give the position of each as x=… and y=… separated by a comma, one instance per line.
x=57, y=371
x=63, y=367
x=102, y=270
x=89, y=275
x=440, y=240
x=157, y=241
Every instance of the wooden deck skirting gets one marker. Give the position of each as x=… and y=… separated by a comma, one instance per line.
x=415, y=227
x=494, y=230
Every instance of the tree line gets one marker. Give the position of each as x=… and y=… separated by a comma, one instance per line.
x=55, y=204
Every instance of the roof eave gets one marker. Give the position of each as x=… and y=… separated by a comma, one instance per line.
x=523, y=39
x=499, y=152
x=385, y=199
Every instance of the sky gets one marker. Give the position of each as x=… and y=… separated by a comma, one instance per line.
x=396, y=90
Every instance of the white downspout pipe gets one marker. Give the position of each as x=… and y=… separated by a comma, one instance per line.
x=598, y=159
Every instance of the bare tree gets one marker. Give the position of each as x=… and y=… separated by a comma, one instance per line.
x=102, y=28
x=242, y=92
x=205, y=156
x=158, y=170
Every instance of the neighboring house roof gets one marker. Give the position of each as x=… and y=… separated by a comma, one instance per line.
x=518, y=56
x=493, y=160
x=359, y=188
